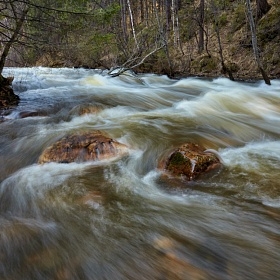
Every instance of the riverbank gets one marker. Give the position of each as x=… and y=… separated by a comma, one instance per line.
x=182, y=65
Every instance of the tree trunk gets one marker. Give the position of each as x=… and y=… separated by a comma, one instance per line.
x=163, y=39
x=174, y=22
x=225, y=69
x=132, y=23
x=255, y=42
x=123, y=19
x=201, y=26
x=168, y=14
x=215, y=13
x=262, y=8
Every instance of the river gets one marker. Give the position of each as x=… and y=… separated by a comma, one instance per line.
x=119, y=219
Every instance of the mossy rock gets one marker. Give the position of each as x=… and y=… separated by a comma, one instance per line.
x=191, y=160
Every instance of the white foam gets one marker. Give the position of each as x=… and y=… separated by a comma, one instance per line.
x=252, y=155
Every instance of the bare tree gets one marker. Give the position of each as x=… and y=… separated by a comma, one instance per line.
x=16, y=13
x=201, y=26
x=168, y=13
x=175, y=23
x=132, y=23
x=257, y=54
x=123, y=19
x=215, y=14
x=163, y=38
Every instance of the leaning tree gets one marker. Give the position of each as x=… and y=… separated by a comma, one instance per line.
x=12, y=17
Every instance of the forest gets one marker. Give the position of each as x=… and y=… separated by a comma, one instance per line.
x=238, y=39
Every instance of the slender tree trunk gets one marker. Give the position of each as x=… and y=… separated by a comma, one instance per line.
x=225, y=69
x=132, y=23
x=142, y=11
x=178, y=27
x=123, y=19
x=201, y=26
x=168, y=14
x=255, y=42
x=175, y=22
x=147, y=12
x=163, y=39
x=215, y=13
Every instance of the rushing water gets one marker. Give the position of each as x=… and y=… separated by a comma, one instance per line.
x=119, y=219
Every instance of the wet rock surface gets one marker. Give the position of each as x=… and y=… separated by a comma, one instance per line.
x=81, y=147
x=87, y=109
x=7, y=96
x=11, y=114
x=27, y=114
x=191, y=160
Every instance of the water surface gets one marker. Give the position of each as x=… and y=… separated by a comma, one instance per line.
x=120, y=219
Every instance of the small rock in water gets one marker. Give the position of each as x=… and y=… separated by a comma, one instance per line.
x=81, y=147
x=191, y=160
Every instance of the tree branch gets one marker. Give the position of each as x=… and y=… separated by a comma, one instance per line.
x=123, y=69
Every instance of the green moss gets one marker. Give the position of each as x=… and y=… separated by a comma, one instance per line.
x=177, y=159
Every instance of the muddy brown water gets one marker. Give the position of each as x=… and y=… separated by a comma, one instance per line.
x=120, y=219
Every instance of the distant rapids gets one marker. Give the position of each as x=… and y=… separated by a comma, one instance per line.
x=118, y=219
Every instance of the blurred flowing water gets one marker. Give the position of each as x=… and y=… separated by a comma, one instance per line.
x=119, y=219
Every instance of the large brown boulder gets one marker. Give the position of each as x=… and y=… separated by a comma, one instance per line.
x=7, y=96
x=191, y=160
x=81, y=147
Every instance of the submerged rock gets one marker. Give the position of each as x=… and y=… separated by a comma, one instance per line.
x=191, y=160
x=87, y=109
x=27, y=114
x=81, y=147
x=181, y=264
